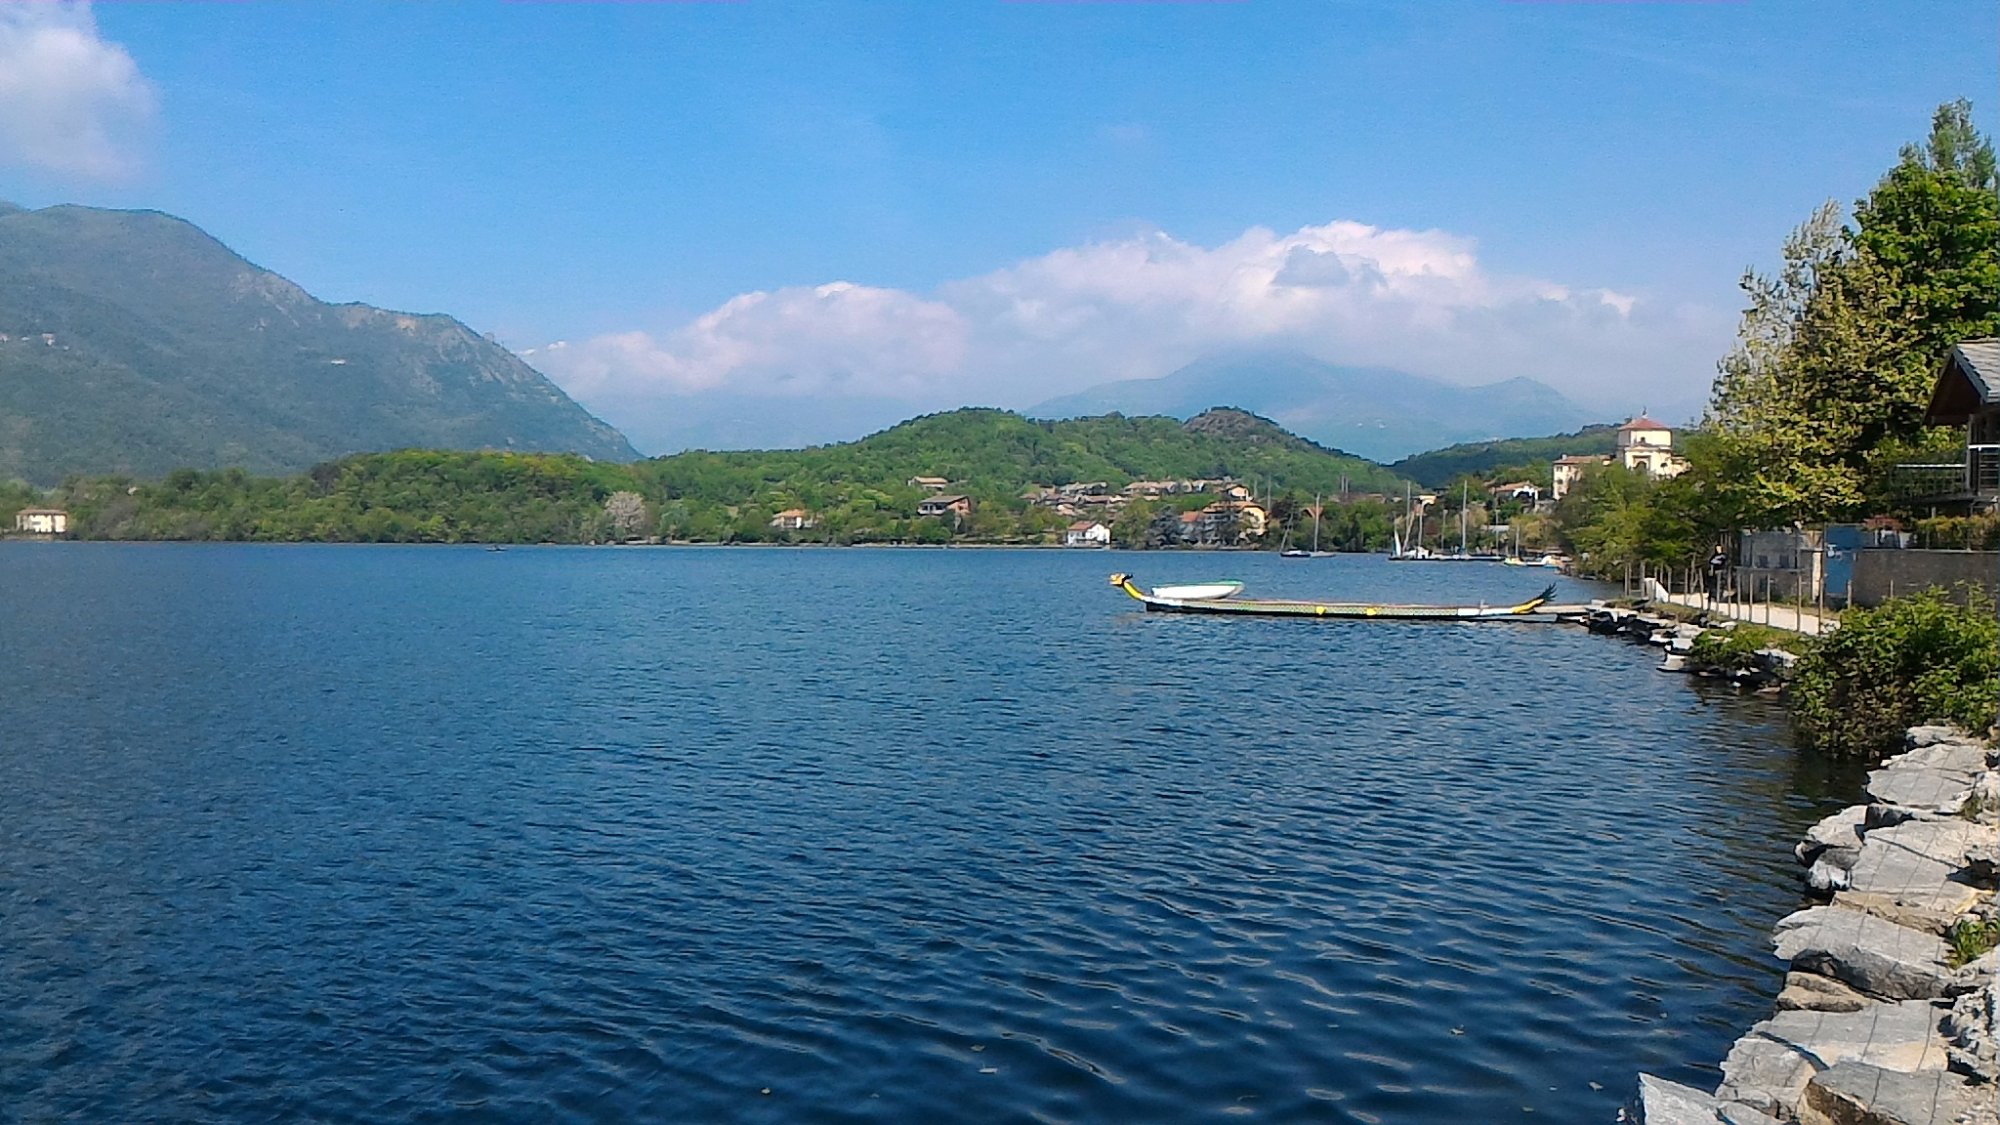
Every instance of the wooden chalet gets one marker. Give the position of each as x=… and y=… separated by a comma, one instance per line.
x=1967, y=394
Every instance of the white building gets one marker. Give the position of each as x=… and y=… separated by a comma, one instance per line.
x=1087, y=533
x=1646, y=446
x=42, y=521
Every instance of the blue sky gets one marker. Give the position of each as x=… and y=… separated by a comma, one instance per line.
x=1016, y=199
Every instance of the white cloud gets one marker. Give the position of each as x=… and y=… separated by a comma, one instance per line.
x=70, y=102
x=833, y=339
x=1138, y=307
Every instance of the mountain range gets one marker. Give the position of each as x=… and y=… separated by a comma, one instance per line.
x=1373, y=412
x=133, y=342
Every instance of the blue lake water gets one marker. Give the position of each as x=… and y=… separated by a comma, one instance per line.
x=380, y=834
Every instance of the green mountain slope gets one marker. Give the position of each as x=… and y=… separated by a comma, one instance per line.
x=856, y=492
x=136, y=343
x=1529, y=458
x=996, y=453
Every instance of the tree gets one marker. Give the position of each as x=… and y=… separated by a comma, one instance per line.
x=1836, y=352
x=1130, y=528
x=627, y=513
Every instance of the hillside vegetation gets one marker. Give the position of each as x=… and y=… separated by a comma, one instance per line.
x=132, y=342
x=855, y=492
x=1514, y=458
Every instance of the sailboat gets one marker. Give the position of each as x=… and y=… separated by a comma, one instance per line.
x=1319, y=508
x=1315, y=553
x=1414, y=550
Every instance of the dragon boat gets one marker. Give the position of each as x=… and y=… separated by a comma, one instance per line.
x=1271, y=607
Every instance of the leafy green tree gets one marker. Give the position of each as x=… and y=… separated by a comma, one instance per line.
x=1837, y=351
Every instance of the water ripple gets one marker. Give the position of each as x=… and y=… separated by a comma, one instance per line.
x=397, y=835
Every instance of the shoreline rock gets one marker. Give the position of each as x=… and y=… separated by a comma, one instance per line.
x=1875, y=1025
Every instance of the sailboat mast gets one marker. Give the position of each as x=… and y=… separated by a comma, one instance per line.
x=1464, y=497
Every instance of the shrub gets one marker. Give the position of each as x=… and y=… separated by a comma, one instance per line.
x=1734, y=649
x=1917, y=659
x=1971, y=938
x=1959, y=533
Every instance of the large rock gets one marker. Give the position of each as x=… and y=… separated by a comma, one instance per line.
x=1917, y=868
x=1964, y=757
x=1836, y=839
x=1982, y=862
x=1970, y=1029
x=1876, y=956
x=1931, y=735
x=1769, y=1067
x=1765, y=1074
x=1856, y=1093
x=1811, y=992
x=1920, y=788
x=1980, y=973
x=1983, y=801
x=1825, y=877
x=1669, y=1103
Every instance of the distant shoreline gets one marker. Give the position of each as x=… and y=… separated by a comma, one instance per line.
x=483, y=544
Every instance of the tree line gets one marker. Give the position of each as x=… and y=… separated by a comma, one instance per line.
x=1823, y=395
x=856, y=492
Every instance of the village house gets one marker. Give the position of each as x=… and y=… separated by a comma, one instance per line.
x=1965, y=396
x=1087, y=533
x=954, y=505
x=1527, y=492
x=793, y=519
x=1227, y=522
x=42, y=521
x=1568, y=470
x=929, y=484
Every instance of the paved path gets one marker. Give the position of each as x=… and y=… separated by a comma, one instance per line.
x=1776, y=616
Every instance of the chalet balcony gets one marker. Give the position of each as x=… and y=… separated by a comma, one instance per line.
x=1975, y=480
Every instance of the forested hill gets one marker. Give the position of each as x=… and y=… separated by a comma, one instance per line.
x=854, y=492
x=995, y=454
x=1516, y=458
x=132, y=341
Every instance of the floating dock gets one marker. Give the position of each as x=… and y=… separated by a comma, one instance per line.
x=1536, y=608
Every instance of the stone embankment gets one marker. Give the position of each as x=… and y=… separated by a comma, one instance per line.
x=1761, y=670
x=1885, y=1019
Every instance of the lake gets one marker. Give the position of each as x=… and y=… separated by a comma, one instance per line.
x=402, y=834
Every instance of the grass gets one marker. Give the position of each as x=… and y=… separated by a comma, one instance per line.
x=1971, y=940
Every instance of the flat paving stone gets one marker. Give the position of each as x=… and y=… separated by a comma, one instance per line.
x=1874, y=955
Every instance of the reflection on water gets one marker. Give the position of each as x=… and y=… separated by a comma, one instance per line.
x=400, y=834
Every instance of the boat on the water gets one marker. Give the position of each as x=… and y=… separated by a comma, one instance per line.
x=1200, y=591
x=1164, y=599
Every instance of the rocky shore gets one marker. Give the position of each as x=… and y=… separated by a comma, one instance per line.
x=1884, y=1019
